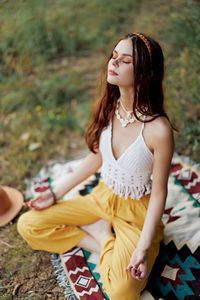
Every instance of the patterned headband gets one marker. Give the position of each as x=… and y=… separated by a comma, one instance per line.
x=145, y=41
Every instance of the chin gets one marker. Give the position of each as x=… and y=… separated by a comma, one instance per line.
x=112, y=80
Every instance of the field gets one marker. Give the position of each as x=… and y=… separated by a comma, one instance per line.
x=51, y=58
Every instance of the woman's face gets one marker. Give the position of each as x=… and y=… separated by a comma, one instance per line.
x=120, y=66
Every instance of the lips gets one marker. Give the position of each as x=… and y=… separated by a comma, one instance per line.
x=111, y=72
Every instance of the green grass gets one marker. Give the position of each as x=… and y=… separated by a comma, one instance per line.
x=176, y=25
x=51, y=55
x=40, y=31
x=50, y=58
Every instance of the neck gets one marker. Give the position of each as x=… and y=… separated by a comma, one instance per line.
x=127, y=98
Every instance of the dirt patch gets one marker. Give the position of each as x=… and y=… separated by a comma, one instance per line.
x=24, y=273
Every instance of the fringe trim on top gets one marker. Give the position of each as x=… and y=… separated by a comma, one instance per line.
x=135, y=192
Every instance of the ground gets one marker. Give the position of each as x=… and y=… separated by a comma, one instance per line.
x=25, y=273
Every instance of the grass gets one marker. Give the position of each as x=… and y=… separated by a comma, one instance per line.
x=47, y=91
x=177, y=29
x=51, y=55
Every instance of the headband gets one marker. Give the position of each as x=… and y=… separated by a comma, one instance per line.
x=142, y=37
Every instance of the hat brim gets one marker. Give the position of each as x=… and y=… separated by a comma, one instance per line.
x=17, y=201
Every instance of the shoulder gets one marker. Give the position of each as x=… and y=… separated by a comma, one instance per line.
x=160, y=127
x=160, y=132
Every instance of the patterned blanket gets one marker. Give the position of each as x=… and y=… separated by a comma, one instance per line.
x=176, y=273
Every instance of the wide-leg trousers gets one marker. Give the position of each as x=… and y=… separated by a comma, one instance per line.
x=57, y=229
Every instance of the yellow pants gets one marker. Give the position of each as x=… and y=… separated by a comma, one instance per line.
x=57, y=230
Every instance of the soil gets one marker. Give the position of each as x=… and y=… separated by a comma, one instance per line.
x=25, y=273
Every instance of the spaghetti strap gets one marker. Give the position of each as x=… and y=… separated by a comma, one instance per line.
x=142, y=127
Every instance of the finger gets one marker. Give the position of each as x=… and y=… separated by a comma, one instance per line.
x=132, y=270
x=134, y=273
x=40, y=205
x=136, y=276
x=29, y=204
x=132, y=264
x=33, y=204
x=140, y=274
x=129, y=267
x=136, y=264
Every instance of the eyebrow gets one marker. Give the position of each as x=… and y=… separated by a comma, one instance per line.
x=124, y=54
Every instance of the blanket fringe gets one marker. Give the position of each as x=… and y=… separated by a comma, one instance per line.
x=62, y=278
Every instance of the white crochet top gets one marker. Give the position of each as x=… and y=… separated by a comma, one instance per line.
x=130, y=174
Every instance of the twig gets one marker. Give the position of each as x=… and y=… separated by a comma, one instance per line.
x=8, y=245
x=16, y=288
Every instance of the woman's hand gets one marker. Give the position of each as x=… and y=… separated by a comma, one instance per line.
x=42, y=201
x=138, y=265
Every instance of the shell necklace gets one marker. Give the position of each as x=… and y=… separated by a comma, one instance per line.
x=129, y=117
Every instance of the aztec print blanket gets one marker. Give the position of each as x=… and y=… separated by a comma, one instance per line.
x=176, y=273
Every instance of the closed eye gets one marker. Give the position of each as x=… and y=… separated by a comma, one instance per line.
x=125, y=62
x=114, y=56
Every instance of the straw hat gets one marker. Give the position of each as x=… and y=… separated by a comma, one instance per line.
x=11, y=202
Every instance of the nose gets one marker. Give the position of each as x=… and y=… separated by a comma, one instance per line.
x=115, y=62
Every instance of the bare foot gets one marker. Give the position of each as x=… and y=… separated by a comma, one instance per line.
x=100, y=230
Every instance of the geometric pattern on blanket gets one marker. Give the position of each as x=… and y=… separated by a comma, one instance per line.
x=176, y=272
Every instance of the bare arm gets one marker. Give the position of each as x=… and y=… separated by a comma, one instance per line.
x=163, y=151
x=163, y=147
x=89, y=166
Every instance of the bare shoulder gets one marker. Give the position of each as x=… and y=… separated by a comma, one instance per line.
x=160, y=127
x=160, y=132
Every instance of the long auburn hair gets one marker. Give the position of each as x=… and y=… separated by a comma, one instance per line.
x=148, y=88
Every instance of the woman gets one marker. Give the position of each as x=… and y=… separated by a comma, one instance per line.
x=131, y=138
